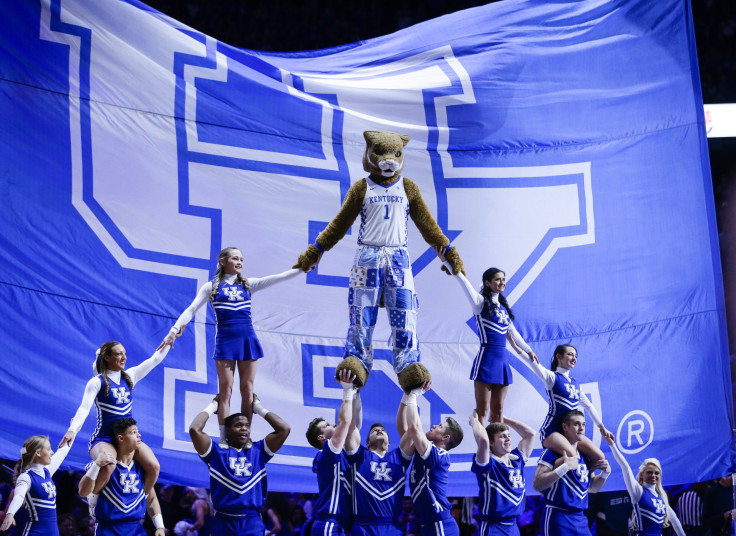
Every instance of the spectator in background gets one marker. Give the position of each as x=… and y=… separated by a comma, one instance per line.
x=718, y=506
x=690, y=510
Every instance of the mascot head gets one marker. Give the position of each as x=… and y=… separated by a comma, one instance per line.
x=384, y=154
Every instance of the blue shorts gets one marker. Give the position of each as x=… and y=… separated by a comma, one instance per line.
x=556, y=522
x=376, y=529
x=249, y=525
x=120, y=528
x=237, y=343
x=550, y=426
x=326, y=528
x=444, y=527
x=491, y=366
x=498, y=528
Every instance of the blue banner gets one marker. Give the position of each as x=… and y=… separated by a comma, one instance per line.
x=561, y=141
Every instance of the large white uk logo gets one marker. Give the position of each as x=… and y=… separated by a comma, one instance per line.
x=224, y=175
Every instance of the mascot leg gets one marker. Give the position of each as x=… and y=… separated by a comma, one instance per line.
x=402, y=306
x=363, y=297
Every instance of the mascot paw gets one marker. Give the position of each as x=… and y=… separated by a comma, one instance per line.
x=413, y=376
x=453, y=257
x=354, y=365
x=308, y=258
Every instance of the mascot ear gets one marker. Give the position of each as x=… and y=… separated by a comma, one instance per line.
x=370, y=136
x=404, y=138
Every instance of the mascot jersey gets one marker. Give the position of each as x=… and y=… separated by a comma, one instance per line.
x=378, y=485
x=382, y=269
x=384, y=216
x=238, y=477
x=502, y=491
x=122, y=499
x=570, y=493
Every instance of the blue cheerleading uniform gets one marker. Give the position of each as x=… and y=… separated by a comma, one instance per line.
x=333, y=507
x=40, y=505
x=116, y=404
x=565, y=501
x=122, y=503
x=564, y=396
x=428, y=481
x=502, y=494
x=378, y=491
x=238, y=487
x=236, y=338
x=491, y=364
x=650, y=508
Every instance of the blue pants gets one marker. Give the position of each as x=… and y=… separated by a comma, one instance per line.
x=250, y=525
x=376, y=529
x=556, y=522
x=326, y=528
x=444, y=527
x=499, y=528
x=382, y=271
x=122, y=528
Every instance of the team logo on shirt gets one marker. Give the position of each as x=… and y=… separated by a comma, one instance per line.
x=583, y=472
x=572, y=391
x=121, y=394
x=381, y=471
x=515, y=478
x=240, y=466
x=129, y=482
x=49, y=488
x=503, y=316
x=233, y=293
x=659, y=505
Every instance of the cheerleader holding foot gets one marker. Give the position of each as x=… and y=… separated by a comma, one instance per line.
x=651, y=507
x=491, y=372
x=565, y=395
x=35, y=488
x=236, y=344
x=111, y=391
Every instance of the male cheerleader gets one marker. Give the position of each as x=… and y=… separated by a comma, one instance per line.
x=122, y=503
x=379, y=479
x=500, y=474
x=431, y=465
x=331, y=465
x=238, y=470
x=566, y=481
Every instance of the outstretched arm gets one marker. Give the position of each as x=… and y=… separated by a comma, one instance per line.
x=527, y=433
x=353, y=440
x=422, y=217
x=203, y=295
x=201, y=441
x=414, y=434
x=632, y=485
x=518, y=342
x=474, y=297
x=261, y=283
x=345, y=413
x=546, y=476
x=675, y=522
x=344, y=219
x=590, y=408
x=22, y=485
x=483, y=454
x=281, y=430
x=596, y=483
x=90, y=392
x=139, y=372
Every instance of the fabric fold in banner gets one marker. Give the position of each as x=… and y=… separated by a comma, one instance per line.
x=563, y=142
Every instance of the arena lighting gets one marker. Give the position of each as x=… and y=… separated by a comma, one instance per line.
x=720, y=120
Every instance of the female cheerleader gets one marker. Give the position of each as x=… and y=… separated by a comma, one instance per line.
x=34, y=487
x=651, y=507
x=236, y=341
x=565, y=395
x=491, y=372
x=111, y=391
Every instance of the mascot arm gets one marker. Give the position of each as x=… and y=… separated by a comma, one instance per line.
x=430, y=231
x=336, y=229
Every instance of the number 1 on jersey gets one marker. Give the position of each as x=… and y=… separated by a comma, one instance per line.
x=386, y=216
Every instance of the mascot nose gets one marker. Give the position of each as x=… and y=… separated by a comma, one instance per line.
x=388, y=165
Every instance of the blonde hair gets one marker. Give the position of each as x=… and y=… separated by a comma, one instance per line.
x=31, y=445
x=660, y=490
x=101, y=365
x=220, y=272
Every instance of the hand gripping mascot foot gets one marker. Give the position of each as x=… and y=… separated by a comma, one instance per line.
x=381, y=272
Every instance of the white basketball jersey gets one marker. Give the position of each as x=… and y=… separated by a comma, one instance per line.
x=384, y=215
